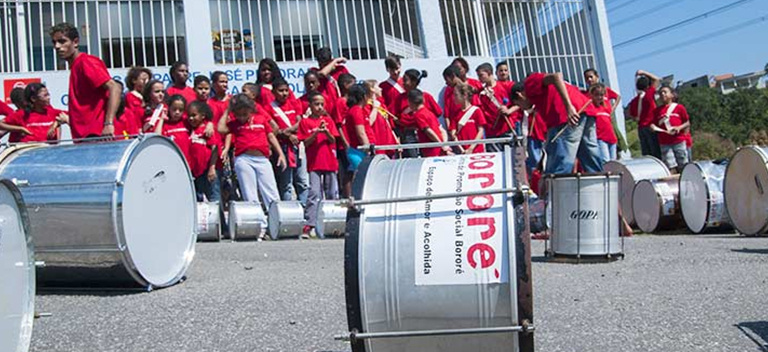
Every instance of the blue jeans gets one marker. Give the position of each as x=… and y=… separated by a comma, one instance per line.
x=607, y=151
x=294, y=176
x=576, y=141
x=211, y=190
x=649, y=143
x=535, y=148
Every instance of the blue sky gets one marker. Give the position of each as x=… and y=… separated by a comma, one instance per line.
x=740, y=51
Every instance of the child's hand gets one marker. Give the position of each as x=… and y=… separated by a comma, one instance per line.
x=63, y=118
x=25, y=131
x=211, y=173
x=281, y=162
x=52, y=130
x=209, y=130
x=294, y=140
x=225, y=155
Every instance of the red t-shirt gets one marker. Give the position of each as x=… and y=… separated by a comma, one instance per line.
x=147, y=116
x=289, y=117
x=356, y=116
x=603, y=123
x=548, y=101
x=452, y=108
x=496, y=126
x=644, y=108
x=218, y=107
x=321, y=155
x=251, y=135
x=200, y=150
x=391, y=89
x=87, y=96
x=382, y=131
x=677, y=117
x=470, y=129
x=402, y=110
x=187, y=92
x=5, y=110
x=426, y=119
x=178, y=132
x=35, y=122
x=329, y=87
x=476, y=84
x=537, y=129
x=127, y=124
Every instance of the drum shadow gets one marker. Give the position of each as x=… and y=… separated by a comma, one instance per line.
x=90, y=291
x=757, y=331
x=750, y=251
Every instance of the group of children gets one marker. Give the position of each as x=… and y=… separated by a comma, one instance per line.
x=309, y=147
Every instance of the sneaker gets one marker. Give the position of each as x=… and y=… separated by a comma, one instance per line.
x=262, y=236
x=540, y=236
x=306, y=232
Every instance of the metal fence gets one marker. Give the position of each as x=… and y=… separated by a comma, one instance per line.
x=532, y=35
x=122, y=32
x=291, y=30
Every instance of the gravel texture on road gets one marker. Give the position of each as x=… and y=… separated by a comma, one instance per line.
x=670, y=293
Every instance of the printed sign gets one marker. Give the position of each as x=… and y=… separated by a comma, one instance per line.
x=232, y=45
x=460, y=241
x=10, y=84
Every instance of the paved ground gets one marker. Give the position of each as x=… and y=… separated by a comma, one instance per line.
x=671, y=293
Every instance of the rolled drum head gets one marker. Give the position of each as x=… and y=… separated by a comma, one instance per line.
x=159, y=210
x=633, y=171
x=746, y=190
x=17, y=272
x=286, y=219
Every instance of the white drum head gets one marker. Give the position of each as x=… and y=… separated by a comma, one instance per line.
x=159, y=211
x=646, y=206
x=694, y=195
x=17, y=274
x=746, y=190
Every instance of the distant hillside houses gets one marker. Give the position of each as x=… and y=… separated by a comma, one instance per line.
x=729, y=82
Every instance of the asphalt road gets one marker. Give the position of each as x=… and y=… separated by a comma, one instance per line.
x=671, y=293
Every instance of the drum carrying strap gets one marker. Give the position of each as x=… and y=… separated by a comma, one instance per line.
x=281, y=114
x=640, y=103
x=670, y=109
x=396, y=85
x=465, y=118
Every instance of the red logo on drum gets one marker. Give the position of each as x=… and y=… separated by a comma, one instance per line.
x=584, y=215
x=482, y=254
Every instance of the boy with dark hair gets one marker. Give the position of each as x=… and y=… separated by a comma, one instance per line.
x=641, y=109
x=502, y=72
x=392, y=87
x=93, y=95
x=501, y=120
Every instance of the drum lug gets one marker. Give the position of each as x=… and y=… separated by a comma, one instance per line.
x=40, y=264
x=20, y=183
x=119, y=183
x=42, y=315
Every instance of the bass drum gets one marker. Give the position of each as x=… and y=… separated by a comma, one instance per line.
x=110, y=214
x=17, y=272
x=746, y=190
x=701, y=197
x=451, y=265
x=656, y=205
x=633, y=171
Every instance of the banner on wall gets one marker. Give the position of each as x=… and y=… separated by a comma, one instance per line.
x=233, y=46
x=11, y=83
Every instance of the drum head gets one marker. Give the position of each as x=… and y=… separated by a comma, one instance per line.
x=694, y=197
x=17, y=272
x=159, y=210
x=646, y=206
x=746, y=190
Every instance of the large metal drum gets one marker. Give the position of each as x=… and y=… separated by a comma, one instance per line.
x=584, y=215
x=208, y=221
x=438, y=274
x=246, y=221
x=286, y=219
x=17, y=272
x=746, y=190
x=701, y=197
x=331, y=219
x=633, y=171
x=656, y=205
x=108, y=214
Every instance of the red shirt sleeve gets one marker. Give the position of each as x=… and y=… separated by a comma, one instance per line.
x=331, y=126
x=534, y=86
x=5, y=110
x=422, y=120
x=479, y=118
x=432, y=105
x=15, y=118
x=302, y=132
x=358, y=116
x=95, y=72
x=610, y=94
x=683, y=112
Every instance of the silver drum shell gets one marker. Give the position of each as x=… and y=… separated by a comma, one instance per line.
x=331, y=219
x=583, y=212
x=245, y=220
x=701, y=197
x=746, y=190
x=633, y=171
x=111, y=214
x=286, y=219
x=381, y=264
x=656, y=204
x=17, y=272
x=208, y=221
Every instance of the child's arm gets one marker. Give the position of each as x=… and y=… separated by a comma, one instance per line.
x=212, y=163
x=655, y=80
x=480, y=133
x=374, y=112
x=13, y=128
x=326, y=71
x=361, y=136
x=556, y=79
x=222, y=127
x=279, y=151
x=312, y=138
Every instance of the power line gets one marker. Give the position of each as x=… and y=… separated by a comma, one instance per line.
x=681, y=23
x=702, y=38
x=636, y=16
x=619, y=6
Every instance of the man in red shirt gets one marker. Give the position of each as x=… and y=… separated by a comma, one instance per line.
x=641, y=109
x=571, y=133
x=93, y=95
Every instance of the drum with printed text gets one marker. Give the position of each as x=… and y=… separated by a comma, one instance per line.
x=701, y=197
x=438, y=274
x=656, y=205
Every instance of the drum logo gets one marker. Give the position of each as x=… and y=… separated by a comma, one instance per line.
x=584, y=215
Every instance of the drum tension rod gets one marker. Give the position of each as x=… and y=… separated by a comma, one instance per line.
x=42, y=315
x=352, y=203
x=354, y=335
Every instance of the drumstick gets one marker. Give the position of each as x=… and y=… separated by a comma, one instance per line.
x=567, y=126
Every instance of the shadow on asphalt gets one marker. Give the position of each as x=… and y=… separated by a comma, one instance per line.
x=757, y=331
x=750, y=251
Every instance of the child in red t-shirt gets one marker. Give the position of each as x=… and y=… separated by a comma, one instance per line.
x=392, y=87
x=285, y=114
x=203, y=152
x=254, y=142
x=179, y=74
x=126, y=123
x=470, y=123
x=600, y=108
x=502, y=72
x=154, y=105
x=405, y=123
x=641, y=109
x=174, y=127
x=318, y=133
x=136, y=80
x=501, y=116
x=357, y=126
x=380, y=117
x=428, y=126
x=671, y=123
x=36, y=123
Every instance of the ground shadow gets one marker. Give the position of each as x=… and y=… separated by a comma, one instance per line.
x=757, y=331
x=750, y=251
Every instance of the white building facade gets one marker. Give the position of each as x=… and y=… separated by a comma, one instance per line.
x=568, y=36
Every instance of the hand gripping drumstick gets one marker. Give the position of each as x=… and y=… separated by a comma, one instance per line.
x=567, y=126
x=488, y=92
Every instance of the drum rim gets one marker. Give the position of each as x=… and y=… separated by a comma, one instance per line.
x=759, y=151
x=117, y=211
x=704, y=176
x=28, y=317
x=658, y=198
x=585, y=175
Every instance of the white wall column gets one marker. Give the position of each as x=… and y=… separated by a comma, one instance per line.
x=21, y=36
x=198, y=33
x=432, y=31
